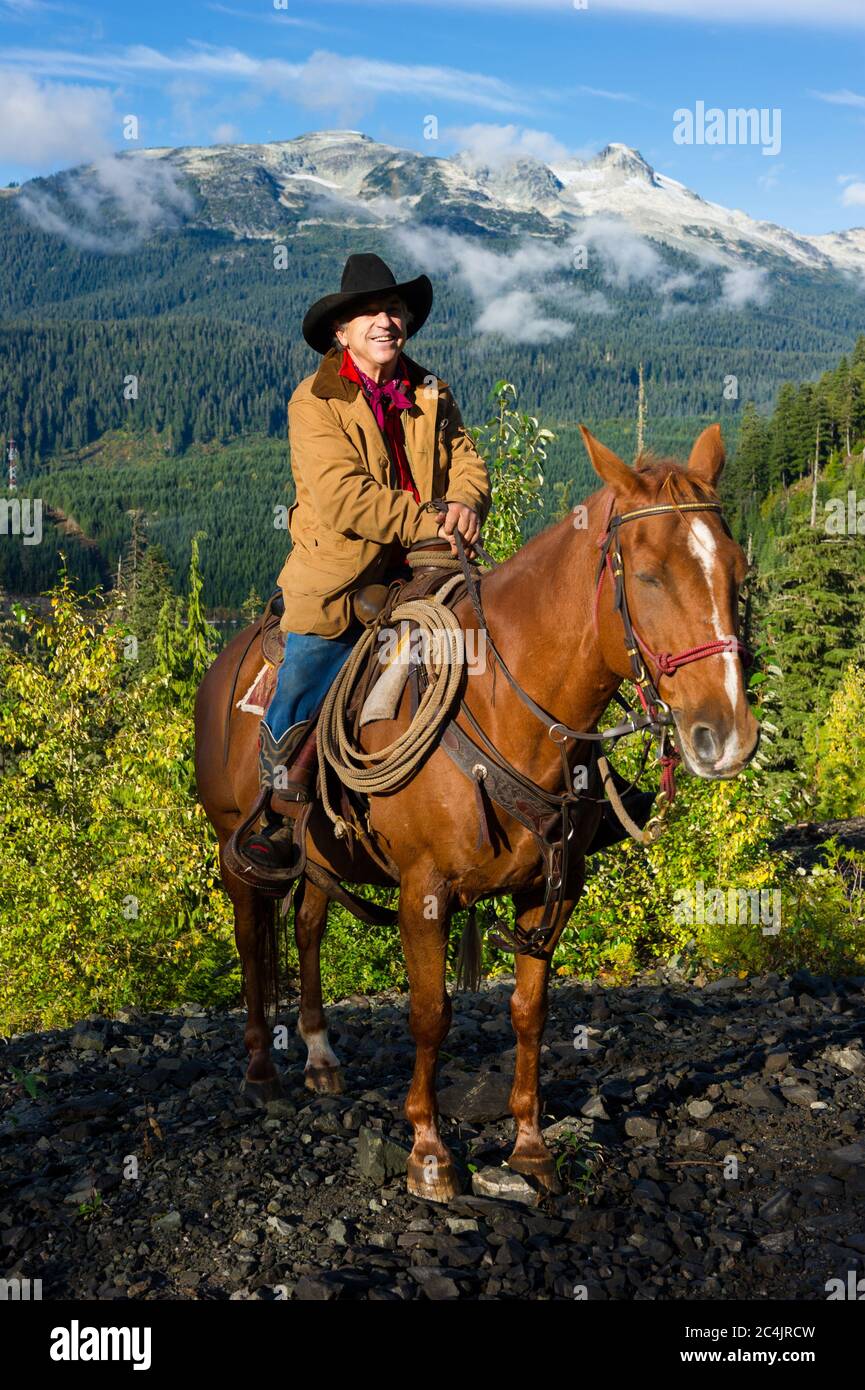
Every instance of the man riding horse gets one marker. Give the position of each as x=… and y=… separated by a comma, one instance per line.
x=375, y=438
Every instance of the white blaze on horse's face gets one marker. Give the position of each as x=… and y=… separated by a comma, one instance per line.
x=701, y=544
x=722, y=746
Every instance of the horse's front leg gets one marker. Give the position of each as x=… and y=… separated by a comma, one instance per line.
x=530, y=1154
x=424, y=923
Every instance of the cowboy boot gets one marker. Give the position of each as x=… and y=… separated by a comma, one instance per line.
x=288, y=767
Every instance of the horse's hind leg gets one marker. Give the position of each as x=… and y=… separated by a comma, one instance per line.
x=255, y=935
x=322, y=1071
x=530, y=1154
x=431, y=1171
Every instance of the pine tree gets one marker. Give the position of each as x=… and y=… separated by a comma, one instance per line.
x=811, y=605
x=185, y=642
x=152, y=590
x=252, y=606
x=785, y=441
x=746, y=479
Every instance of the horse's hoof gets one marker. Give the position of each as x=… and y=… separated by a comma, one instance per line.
x=541, y=1168
x=433, y=1180
x=260, y=1092
x=326, y=1081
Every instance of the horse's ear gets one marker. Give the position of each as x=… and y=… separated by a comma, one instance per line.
x=608, y=466
x=707, y=456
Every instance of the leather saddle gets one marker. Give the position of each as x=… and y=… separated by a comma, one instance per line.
x=369, y=603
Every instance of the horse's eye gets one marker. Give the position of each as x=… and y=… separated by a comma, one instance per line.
x=649, y=579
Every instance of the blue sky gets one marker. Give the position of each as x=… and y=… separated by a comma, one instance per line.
x=538, y=75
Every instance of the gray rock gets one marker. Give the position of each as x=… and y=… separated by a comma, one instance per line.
x=761, y=1098
x=778, y=1206
x=641, y=1127
x=336, y=1232
x=379, y=1159
x=692, y=1138
x=308, y=1289
x=435, y=1283
x=478, y=1098
x=797, y=1094
x=461, y=1225
x=170, y=1222
x=504, y=1184
x=776, y=1060
x=849, y=1160
x=700, y=1109
x=571, y=1124
x=849, y=1059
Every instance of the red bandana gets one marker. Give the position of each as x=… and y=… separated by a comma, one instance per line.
x=386, y=400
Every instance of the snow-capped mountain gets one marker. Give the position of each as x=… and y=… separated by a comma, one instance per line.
x=346, y=178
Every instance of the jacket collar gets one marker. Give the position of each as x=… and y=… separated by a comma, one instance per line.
x=328, y=382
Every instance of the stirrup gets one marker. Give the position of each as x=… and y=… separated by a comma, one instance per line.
x=269, y=879
x=286, y=841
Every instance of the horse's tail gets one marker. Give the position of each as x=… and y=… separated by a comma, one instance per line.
x=470, y=955
x=273, y=929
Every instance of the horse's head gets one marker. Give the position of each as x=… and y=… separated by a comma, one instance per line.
x=682, y=572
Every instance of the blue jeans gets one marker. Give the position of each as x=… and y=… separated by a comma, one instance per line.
x=307, y=669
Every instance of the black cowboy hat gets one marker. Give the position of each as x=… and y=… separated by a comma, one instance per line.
x=364, y=277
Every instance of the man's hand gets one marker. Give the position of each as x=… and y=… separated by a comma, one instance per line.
x=461, y=518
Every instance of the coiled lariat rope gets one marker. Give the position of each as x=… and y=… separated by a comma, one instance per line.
x=442, y=653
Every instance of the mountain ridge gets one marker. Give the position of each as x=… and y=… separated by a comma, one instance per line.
x=337, y=176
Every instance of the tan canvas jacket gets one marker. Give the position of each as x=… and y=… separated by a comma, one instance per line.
x=346, y=515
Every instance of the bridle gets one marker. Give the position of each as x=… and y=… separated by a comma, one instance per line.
x=655, y=720
x=659, y=714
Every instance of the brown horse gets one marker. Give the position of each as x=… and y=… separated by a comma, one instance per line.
x=564, y=643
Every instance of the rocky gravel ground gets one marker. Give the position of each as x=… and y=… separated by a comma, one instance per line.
x=711, y=1145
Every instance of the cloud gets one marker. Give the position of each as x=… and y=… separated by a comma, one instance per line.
x=225, y=134
x=787, y=13
x=605, y=95
x=273, y=17
x=771, y=178
x=844, y=97
x=22, y=9
x=627, y=259
x=322, y=80
x=498, y=145
x=524, y=294
x=744, y=284
x=516, y=316
x=508, y=289
x=43, y=124
x=853, y=195
x=134, y=196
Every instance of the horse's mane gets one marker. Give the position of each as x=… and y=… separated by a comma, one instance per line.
x=666, y=479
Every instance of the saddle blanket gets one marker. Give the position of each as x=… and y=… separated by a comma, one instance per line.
x=382, y=701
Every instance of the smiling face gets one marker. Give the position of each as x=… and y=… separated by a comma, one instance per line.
x=682, y=575
x=376, y=335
